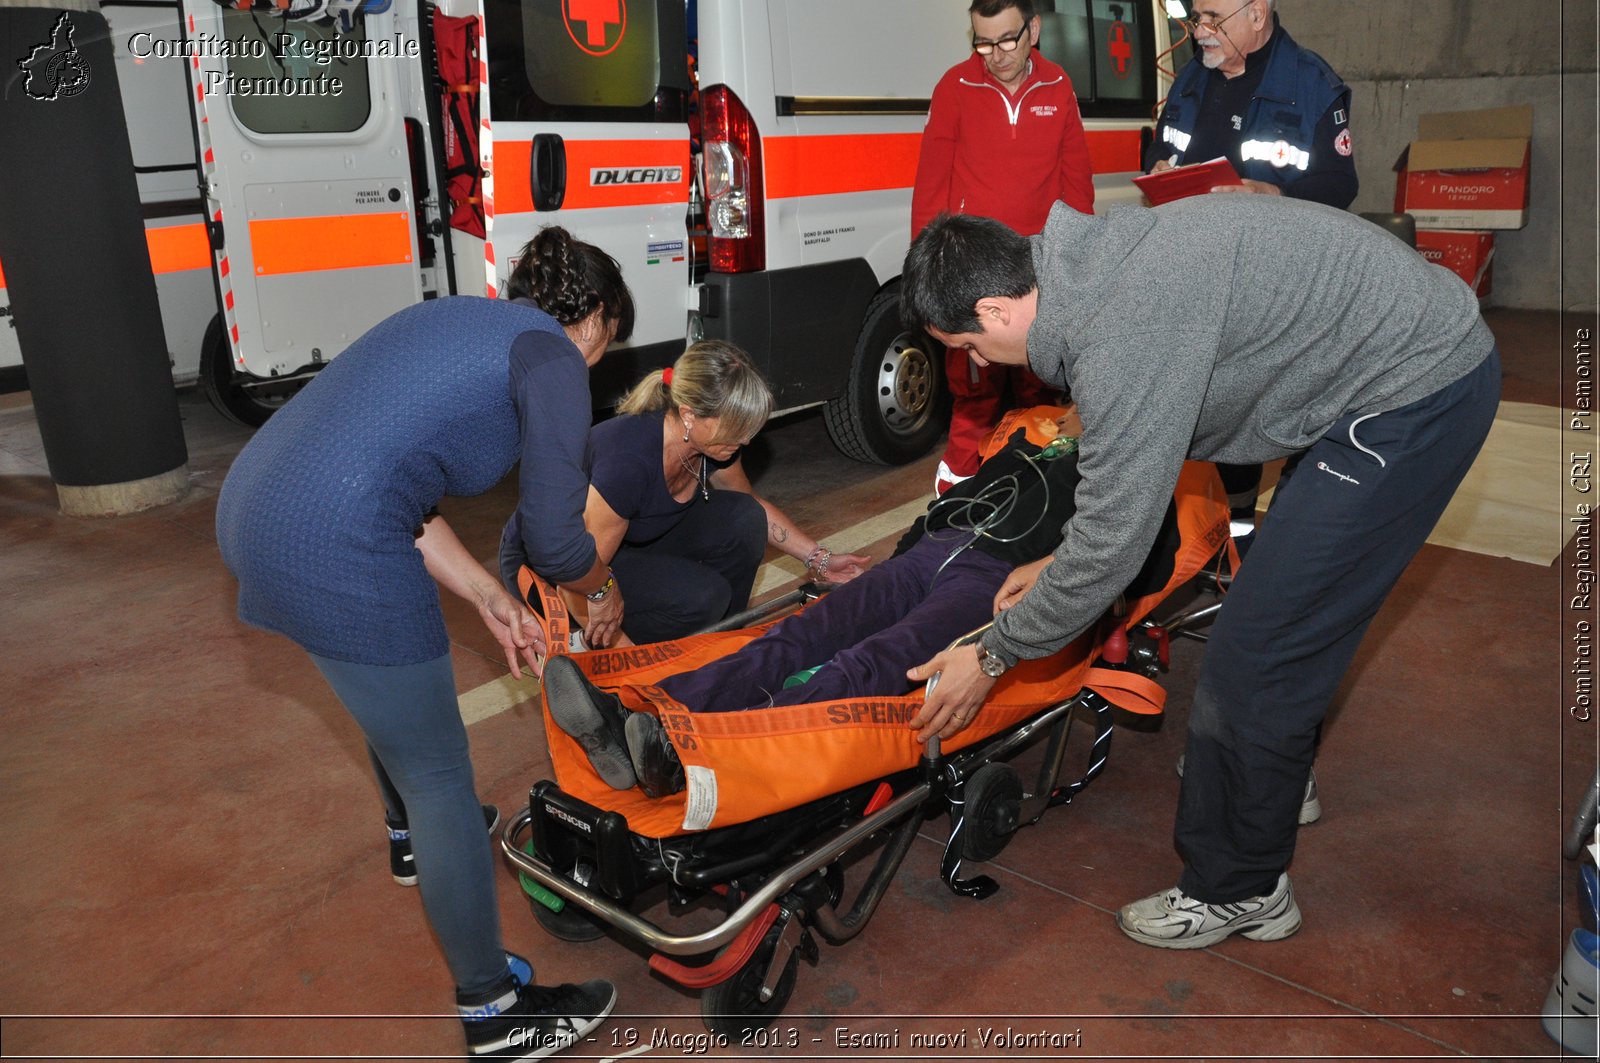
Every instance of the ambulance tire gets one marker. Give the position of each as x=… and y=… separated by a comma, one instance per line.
x=734, y=1007
x=895, y=405
x=225, y=387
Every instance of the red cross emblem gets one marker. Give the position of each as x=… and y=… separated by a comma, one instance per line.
x=590, y=22
x=1283, y=152
x=1120, y=47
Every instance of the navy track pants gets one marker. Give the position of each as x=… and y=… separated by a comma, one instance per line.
x=1340, y=532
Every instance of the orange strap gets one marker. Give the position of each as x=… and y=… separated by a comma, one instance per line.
x=555, y=621
x=1128, y=691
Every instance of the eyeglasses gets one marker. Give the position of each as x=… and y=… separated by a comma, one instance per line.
x=1005, y=44
x=1195, y=25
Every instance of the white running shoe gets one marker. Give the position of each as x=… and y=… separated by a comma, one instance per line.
x=1173, y=920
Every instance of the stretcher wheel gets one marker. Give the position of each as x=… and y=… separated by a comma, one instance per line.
x=734, y=1008
x=993, y=808
x=569, y=924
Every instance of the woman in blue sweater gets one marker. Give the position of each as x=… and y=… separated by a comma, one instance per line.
x=328, y=520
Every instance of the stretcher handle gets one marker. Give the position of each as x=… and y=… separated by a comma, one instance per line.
x=965, y=640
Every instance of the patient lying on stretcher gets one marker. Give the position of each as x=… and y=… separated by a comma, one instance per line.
x=941, y=583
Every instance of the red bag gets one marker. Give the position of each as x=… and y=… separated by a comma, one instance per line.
x=456, y=44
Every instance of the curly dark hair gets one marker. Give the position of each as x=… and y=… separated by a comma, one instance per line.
x=568, y=279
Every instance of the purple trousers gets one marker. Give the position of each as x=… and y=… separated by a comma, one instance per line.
x=892, y=617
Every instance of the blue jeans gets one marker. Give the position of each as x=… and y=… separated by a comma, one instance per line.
x=418, y=747
x=1337, y=537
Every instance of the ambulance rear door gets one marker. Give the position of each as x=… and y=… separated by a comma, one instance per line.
x=588, y=117
x=309, y=178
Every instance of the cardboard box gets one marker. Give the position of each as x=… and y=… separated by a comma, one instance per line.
x=1467, y=254
x=1467, y=170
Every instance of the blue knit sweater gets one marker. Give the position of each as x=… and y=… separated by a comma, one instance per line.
x=318, y=516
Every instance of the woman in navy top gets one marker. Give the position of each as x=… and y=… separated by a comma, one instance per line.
x=670, y=505
x=327, y=518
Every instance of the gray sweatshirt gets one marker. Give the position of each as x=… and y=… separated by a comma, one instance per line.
x=1233, y=328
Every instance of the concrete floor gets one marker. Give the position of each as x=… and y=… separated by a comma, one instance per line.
x=195, y=865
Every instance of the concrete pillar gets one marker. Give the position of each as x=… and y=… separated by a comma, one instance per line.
x=78, y=268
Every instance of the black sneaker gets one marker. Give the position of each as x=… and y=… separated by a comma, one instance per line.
x=531, y=1021
x=402, y=864
x=593, y=717
x=655, y=762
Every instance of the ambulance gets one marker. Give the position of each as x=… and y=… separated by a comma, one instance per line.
x=309, y=167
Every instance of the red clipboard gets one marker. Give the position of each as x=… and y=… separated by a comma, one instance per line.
x=1181, y=182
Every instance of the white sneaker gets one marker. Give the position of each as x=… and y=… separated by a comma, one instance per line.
x=944, y=479
x=1310, y=804
x=1173, y=920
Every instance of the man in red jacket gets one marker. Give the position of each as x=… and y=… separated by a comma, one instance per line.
x=1004, y=140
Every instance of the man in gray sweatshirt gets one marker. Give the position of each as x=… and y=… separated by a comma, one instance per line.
x=1236, y=329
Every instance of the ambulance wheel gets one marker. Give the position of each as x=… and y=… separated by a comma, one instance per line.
x=734, y=1008
x=895, y=407
x=225, y=386
x=569, y=924
x=993, y=811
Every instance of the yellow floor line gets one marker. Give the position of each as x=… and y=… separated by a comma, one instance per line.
x=847, y=540
x=495, y=697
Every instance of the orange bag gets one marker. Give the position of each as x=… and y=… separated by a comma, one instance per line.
x=743, y=765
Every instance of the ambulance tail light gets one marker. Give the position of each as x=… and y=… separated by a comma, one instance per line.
x=733, y=187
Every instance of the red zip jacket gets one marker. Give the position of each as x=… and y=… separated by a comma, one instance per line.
x=995, y=155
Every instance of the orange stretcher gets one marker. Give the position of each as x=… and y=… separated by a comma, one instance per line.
x=776, y=797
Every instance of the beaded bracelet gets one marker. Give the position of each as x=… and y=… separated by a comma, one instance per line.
x=605, y=589
x=817, y=560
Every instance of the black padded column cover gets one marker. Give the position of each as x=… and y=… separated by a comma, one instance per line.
x=73, y=249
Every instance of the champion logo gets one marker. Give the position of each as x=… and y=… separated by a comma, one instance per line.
x=1322, y=466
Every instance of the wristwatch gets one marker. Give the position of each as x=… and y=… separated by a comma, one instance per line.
x=988, y=663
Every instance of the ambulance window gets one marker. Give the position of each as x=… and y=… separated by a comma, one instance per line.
x=283, y=75
x=587, y=60
x=1106, y=48
x=1064, y=38
x=1121, y=62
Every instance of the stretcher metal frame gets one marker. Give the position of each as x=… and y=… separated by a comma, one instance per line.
x=765, y=927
